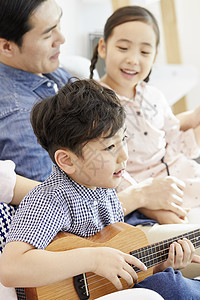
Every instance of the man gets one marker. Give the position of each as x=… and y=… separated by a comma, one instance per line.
x=30, y=41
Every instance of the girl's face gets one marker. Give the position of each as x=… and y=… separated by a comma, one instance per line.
x=129, y=55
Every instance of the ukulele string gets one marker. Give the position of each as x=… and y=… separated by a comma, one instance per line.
x=161, y=257
x=164, y=252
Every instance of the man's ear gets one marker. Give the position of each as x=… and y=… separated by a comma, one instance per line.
x=7, y=48
x=63, y=160
x=102, y=48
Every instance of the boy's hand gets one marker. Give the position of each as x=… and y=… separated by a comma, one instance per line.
x=114, y=264
x=181, y=254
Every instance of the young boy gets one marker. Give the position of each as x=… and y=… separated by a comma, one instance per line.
x=82, y=128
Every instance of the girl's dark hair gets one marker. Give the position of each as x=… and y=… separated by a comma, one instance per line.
x=15, y=18
x=123, y=15
x=81, y=111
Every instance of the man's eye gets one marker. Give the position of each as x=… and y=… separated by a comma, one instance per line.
x=110, y=147
x=47, y=37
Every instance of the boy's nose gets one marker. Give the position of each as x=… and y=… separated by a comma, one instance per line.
x=123, y=154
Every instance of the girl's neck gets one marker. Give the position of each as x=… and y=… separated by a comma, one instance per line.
x=128, y=92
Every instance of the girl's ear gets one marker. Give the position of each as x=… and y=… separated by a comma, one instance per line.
x=102, y=48
x=6, y=47
x=63, y=160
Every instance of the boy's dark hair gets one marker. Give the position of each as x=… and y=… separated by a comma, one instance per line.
x=15, y=17
x=80, y=112
x=123, y=15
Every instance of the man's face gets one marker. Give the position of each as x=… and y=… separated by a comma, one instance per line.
x=40, y=48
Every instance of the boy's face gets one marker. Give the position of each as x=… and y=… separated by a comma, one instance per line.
x=40, y=48
x=102, y=163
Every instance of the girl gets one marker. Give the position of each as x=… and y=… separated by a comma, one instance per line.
x=159, y=144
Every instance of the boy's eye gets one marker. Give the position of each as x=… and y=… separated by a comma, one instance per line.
x=145, y=52
x=110, y=147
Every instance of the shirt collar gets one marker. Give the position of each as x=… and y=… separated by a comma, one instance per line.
x=29, y=79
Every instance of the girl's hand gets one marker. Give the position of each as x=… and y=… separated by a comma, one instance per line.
x=197, y=134
x=114, y=264
x=181, y=254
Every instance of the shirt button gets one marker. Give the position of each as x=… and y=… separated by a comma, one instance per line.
x=95, y=202
x=49, y=84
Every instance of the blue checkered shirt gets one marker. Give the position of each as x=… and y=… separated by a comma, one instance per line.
x=60, y=204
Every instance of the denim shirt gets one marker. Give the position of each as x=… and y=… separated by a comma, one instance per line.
x=19, y=91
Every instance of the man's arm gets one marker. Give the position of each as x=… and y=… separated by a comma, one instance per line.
x=22, y=187
x=154, y=194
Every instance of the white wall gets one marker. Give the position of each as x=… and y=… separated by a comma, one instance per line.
x=81, y=17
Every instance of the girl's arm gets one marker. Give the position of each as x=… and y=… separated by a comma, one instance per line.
x=22, y=265
x=189, y=119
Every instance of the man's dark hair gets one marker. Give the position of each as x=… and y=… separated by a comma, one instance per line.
x=80, y=112
x=15, y=17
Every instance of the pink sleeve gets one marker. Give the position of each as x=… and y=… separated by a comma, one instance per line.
x=179, y=141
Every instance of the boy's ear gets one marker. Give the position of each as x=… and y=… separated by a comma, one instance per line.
x=63, y=160
x=102, y=48
x=6, y=47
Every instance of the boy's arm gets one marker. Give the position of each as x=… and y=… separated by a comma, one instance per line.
x=22, y=265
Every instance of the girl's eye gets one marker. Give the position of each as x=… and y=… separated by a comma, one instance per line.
x=110, y=147
x=123, y=48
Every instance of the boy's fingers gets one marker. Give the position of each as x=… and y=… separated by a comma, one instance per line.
x=132, y=260
x=117, y=283
x=196, y=259
x=127, y=277
x=179, y=253
x=132, y=272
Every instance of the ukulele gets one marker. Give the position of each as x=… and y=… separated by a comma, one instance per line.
x=121, y=236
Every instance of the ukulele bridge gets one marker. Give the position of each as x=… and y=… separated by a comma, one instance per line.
x=81, y=286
